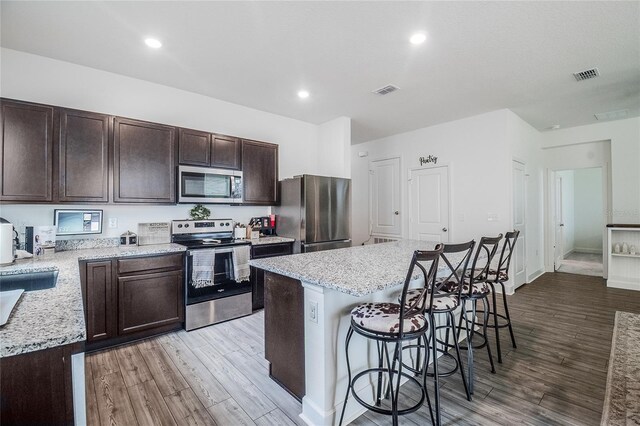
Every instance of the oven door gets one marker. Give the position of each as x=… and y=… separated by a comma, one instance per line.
x=206, y=185
x=224, y=284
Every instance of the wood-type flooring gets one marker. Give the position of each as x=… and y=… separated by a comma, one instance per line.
x=218, y=375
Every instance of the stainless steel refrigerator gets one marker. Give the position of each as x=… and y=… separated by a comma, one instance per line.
x=316, y=211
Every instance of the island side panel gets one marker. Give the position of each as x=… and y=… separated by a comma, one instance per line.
x=284, y=332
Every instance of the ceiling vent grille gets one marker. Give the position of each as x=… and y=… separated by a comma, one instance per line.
x=612, y=115
x=389, y=88
x=586, y=74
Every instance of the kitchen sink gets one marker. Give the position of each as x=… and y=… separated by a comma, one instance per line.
x=30, y=281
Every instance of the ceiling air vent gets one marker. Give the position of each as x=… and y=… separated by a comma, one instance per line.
x=586, y=74
x=612, y=115
x=389, y=88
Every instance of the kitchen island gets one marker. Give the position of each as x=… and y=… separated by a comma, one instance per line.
x=322, y=288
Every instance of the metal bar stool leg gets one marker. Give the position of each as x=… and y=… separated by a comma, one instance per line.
x=495, y=322
x=424, y=378
x=346, y=351
x=460, y=366
x=485, y=305
x=506, y=312
x=434, y=348
x=469, y=347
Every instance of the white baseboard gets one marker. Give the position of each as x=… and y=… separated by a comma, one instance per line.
x=587, y=250
x=534, y=276
x=567, y=253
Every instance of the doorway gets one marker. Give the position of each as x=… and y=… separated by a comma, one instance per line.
x=579, y=221
x=384, y=187
x=429, y=204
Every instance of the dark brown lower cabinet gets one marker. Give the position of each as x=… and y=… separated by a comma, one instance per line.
x=150, y=300
x=284, y=332
x=257, y=275
x=37, y=388
x=127, y=299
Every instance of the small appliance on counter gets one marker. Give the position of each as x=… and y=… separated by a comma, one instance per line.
x=9, y=242
x=129, y=239
x=265, y=225
x=40, y=240
x=154, y=233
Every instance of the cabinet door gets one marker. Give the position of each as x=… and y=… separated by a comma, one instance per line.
x=149, y=301
x=226, y=152
x=194, y=148
x=83, y=156
x=26, y=148
x=100, y=301
x=260, y=172
x=144, y=162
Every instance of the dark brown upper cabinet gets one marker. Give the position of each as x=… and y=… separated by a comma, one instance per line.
x=83, y=156
x=144, y=159
x=194, y=148
x=226, y=152
x=26, y=148
x=198, y=148
x=260, y=172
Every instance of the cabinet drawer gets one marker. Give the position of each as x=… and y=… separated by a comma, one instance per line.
x=149, y=264
x=270, y=250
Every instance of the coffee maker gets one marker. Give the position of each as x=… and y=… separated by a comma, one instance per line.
x=265, y=224
x=9, y=242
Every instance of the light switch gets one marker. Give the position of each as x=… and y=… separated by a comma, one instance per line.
x=113, y=222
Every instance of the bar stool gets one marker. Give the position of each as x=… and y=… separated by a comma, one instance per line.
x=476, y=289
x=500, y=276
x=441, y=301
x=393, y=323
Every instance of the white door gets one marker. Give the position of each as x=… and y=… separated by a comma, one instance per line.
x=519, y=257
x=559, y=226
x=429, y=204
x=384, y=176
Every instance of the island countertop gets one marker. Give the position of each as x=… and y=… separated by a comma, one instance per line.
x=54, y=317
x=357, y=271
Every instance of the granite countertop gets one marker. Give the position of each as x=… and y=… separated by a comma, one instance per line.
x=358, y=271
x=271, y=240
x=54, y=317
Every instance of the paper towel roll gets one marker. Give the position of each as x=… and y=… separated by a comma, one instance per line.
x=6, y=243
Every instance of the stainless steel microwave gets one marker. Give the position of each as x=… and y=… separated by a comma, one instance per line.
x=208, y=185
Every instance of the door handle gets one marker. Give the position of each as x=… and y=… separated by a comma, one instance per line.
x=396, y=212
x=562, y=224
x=444, y=229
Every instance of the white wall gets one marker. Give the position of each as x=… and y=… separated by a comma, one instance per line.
x=623, y=159
x=525, y=147
x=589, y=220
x=475, y=150
x=568, y=211
x=334, y=147
x=38, y=79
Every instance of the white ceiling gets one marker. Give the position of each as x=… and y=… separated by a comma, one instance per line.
x=479, y=56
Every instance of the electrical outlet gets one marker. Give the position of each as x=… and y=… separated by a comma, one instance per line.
x=493, y=217
x=313, y=311
x=113, y=222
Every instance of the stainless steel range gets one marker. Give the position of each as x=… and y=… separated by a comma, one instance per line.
x=216, y=271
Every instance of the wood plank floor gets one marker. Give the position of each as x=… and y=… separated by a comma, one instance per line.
x=218, y=375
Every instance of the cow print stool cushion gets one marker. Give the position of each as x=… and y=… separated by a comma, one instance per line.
x=440, y=302
x=384, y=318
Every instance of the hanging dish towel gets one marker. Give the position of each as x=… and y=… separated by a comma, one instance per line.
x=241, y=270
x=203, y=263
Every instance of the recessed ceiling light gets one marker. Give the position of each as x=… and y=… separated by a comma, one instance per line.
x=153, y=43
x=418, y=38
x=303, y=94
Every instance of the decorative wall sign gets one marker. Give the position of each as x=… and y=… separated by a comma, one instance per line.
x=427, y=160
